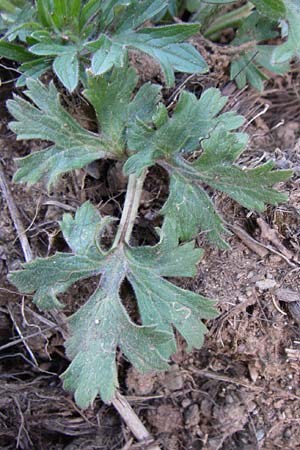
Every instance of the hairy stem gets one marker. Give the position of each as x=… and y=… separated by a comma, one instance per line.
x=130, y=209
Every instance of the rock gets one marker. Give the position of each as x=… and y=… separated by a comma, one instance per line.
x=173, y=379
x=266, y=284
x=192, y=416
x=186, y=402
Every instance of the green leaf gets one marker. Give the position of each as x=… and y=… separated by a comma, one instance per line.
x=163, y=44
x=102, y=325
x=161, y=302
x=252, y=188
x=74, y=147
x=80, y=232
x=51, y=276
x=33, y=69
x=66, y=67
x=98, y=328
x=45, y=49
x=191, y=209
x=110, y=97
x=192, y=121
x=138, y=12
x=249, y=66
x=14, y=52
x=291, y=48
x=188, y=205
x=109, y=54
x=273, y=9
x=197, y=127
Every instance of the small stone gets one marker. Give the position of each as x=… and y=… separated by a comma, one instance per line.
x=186, y=402
x=260, y=434
x=229, y=399
x=287, y=434
x=253, y=372
x=266, y=284
x=192, y=416
x=173, y=379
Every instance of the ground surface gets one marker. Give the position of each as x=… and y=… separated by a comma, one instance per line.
x=241, y=390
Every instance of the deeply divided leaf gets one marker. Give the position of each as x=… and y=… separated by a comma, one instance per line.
x=73, y=146
x=103, y=324
x=45, y=118
x=199, y=127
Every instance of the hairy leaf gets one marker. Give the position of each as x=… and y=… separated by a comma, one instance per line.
x=102, y=325
x=66, y=67
x=163, y=44
x=251, y=188
x=191, y=209
x=70, y=34
x=73, y=148
x=248, y=67
x=192, y=121
x=197, y=127
x=110, y=98
x=274, y=9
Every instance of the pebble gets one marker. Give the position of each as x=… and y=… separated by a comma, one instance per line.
x=266, y=284
x=192, y=416
x=186, y=402
x=173, y=379
x=260, y=434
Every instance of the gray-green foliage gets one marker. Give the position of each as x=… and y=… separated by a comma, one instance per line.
x=257, y=22
x=139, y=131
x=198, y=146
x=67, y=34
x=103, y=324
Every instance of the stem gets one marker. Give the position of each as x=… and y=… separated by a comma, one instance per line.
x=228, y=20
x=133, y=422
x=130, y=209
x=15, y=215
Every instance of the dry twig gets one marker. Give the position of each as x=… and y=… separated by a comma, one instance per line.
x=249, y=241
x=15, y=216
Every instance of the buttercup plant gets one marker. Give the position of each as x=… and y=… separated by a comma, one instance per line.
x=197, y=145
x=137, y=130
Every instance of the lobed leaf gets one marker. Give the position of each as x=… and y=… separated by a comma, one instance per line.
x=190, y=209
x=102, y=325
x=164, y=44
x=199, y=127
x=74, y=147
x=110, y=97
x=249, y=66
x=251, y=188
x=192, y=121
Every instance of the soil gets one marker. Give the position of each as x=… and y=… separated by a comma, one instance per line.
x=241, y=390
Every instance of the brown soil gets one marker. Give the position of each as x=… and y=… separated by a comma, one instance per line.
x=241, y=390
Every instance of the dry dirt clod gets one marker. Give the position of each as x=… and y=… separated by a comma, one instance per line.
x=173, y=379
x=140, y=384
x=166, y=418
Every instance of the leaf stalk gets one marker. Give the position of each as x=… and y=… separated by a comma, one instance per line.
x=130, y=209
